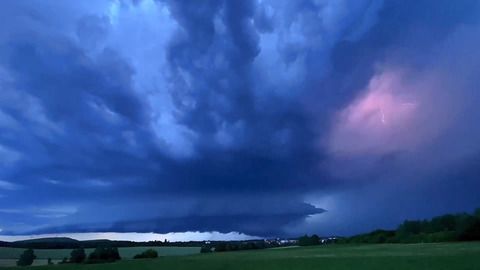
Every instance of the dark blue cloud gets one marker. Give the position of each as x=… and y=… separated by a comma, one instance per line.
x=212, y=116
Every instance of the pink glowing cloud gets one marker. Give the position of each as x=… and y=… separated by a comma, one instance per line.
x=386, y=117
x=429, y=112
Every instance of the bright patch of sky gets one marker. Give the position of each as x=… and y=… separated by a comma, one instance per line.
x=139, y=237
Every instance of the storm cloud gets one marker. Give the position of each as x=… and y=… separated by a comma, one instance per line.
x=268, y=118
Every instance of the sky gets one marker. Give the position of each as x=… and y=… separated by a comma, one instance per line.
x=232, y=119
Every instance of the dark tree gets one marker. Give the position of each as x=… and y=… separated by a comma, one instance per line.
x=220, y=247
x=78, y=255
x=205, y=249
x=309, y=240
x=147, y=254
x=315, y=239
x=104, y=254
x=27, y=258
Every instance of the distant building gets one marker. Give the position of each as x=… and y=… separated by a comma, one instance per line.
x=281, y=242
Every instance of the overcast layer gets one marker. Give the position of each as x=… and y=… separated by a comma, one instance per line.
x=263, y=118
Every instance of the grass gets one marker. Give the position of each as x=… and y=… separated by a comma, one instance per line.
x=442, y=256
x=9, y=256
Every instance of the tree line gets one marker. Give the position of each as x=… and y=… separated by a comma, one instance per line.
x=223, y=246
x=102, y=254
x=445, y=228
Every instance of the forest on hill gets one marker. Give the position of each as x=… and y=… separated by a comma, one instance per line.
x=445, y=228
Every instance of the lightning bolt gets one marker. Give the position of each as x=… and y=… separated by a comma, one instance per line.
x=382, y=116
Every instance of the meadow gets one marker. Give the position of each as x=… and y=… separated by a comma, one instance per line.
x=438, y=256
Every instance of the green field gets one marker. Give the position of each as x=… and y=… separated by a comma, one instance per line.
x=8, y=256
x=443, y=256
